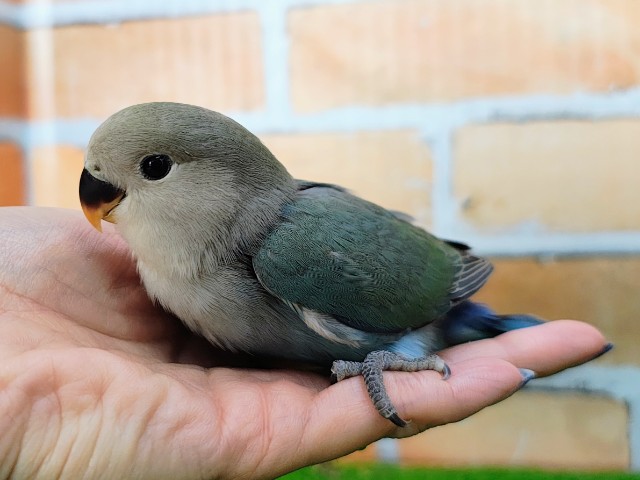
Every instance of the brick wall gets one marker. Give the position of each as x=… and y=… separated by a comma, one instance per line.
x=513, y=125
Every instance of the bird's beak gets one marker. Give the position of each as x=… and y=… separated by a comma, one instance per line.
x=98, y=199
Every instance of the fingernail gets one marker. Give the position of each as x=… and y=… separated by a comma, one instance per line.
x=527, y=376
x=607, y=347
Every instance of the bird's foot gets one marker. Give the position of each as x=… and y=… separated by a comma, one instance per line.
x=373, y=366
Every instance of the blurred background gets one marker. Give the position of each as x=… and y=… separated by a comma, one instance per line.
x=512, y=125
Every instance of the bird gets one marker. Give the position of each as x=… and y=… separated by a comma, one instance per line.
x=259, y=262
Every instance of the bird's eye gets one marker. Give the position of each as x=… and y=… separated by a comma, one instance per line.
x=156, y=166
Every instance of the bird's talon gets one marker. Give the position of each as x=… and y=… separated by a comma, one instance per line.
x=372, y=369
x=342, y=369
x=395, y=418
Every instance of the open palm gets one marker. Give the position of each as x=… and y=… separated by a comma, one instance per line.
x=96, y=380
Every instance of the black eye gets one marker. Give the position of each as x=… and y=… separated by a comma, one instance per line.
x=156, y=166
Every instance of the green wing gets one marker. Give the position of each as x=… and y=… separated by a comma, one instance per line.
x=340, y=255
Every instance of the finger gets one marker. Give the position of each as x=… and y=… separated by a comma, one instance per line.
x=422, y=397
x=483, y=373
x=545, y=349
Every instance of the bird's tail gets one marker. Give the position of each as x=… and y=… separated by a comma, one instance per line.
x=470, y=321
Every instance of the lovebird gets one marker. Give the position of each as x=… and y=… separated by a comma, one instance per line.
x=258, y=262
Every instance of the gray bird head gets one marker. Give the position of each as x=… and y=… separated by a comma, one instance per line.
x=169, y=169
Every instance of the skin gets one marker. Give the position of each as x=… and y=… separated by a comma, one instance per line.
x=95, y=379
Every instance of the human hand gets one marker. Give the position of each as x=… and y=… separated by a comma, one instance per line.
x=96, y=381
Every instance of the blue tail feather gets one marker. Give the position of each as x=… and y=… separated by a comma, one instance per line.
x=470, y=321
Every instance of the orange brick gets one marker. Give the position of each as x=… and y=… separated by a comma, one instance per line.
x=56, y=172
x=559, y=431
x=214, y=61
x=391, y=168
x=600, y=291
x=13, y=101
x=386, y=51
x=563, y=176
x=12, y=180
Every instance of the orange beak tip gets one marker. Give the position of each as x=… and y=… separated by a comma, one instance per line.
x=94, y=216
x=98, y=199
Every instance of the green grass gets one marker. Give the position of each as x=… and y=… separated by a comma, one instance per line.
x=380, y=471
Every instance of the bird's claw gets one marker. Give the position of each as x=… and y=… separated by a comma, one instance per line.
x=373, y=366
x=342, y=369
